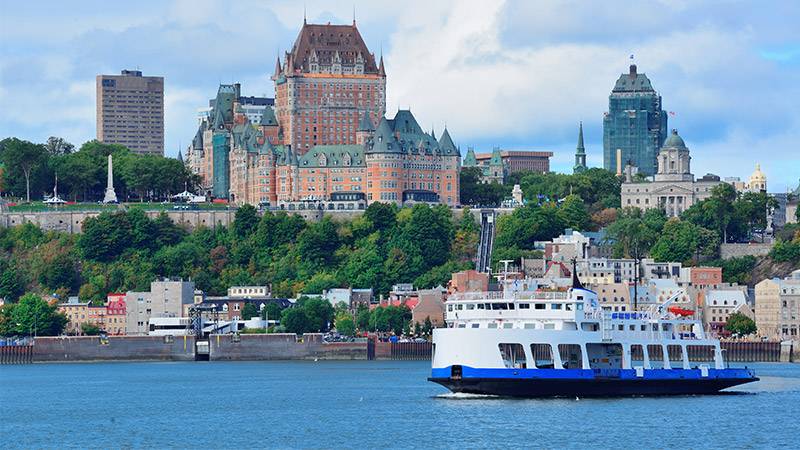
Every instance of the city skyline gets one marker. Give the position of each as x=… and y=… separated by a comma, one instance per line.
x=726, y=73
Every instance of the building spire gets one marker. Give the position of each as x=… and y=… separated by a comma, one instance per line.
x=580, y=153
x=381, y=70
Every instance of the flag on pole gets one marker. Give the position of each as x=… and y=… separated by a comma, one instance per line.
x=631, y=55
x=672, y=113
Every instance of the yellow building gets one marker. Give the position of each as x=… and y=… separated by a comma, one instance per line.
x=778, y=307
x=76, y=312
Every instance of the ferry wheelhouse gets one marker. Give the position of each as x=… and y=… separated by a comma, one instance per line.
x=551, y=344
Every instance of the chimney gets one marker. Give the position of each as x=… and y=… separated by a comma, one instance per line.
x=633, y=71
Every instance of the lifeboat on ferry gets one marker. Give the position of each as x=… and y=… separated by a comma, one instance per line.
x=678, y=311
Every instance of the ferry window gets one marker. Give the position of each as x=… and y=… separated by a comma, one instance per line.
x=470, y=306
x=480, y=306
x=569, y=306
x=462, y=325
x=513, y=356
x=539, y=305
x=549, y=326
x=555, y=306
x=508, y=325
x=530, y=326
x=542, y=356
x=590, y=326
x=497, y=306
x=664, y=327
x=571, y=357
x=524, y=306
x=621, y=327
x=459, y=307
x=492, y=325
x=449, y=307
x=632, y=327
x=637, y=355
x=488, y=305
x=510, y=306
x=656, y=354
x=675, y=353
x=644, y=327
x=476, y=325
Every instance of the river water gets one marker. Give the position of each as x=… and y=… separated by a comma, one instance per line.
x=363, y=404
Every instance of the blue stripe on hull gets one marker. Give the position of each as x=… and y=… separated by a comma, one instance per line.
x=592, y=374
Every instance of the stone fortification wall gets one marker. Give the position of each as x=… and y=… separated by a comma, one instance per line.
x=72, y=221
x=738, y=250
x=281, y=347
x=119, y=348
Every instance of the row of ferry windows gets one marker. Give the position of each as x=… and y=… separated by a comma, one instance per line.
x=507, y=306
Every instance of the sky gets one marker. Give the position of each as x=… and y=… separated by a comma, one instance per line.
x=514, y=74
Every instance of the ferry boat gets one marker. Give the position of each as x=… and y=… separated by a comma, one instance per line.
x=563, y=344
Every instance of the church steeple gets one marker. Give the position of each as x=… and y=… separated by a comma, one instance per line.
x=580, y=152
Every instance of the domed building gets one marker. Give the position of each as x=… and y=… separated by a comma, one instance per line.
x=758, y=180
x=673, y=188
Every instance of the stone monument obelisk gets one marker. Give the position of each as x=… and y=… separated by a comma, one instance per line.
x=111, y=196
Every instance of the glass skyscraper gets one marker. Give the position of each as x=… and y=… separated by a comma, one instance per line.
x=635, y=124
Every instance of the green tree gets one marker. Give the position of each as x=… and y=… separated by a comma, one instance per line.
x=683, y=241
x=90, y=329
x=320, y=282
x=105, y=237
x=22, y=160
x=58, y=146
x=382, y=216
x=635, y=232
x=362, y=317
x=272, y=311
x=295, y=320
x=12, y=283
x=245, y=221
x=573, y=213
x=740, y=324
x=34, y=316
x=249, y=311
x=317, y=244
x=318, y=311
x=345, y=325
x=472, y=191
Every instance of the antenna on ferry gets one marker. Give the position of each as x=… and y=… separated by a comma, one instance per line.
x=576, y=282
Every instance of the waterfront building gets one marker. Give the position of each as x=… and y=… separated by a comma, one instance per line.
x=635, y=126
x=613, y=296
x=468, y=281
x=130, y=111
x=76, y=312
x=248, y=291
x=580, y=153
x=702, y=277
x=325, y=85
x=778, y=307
x=719, y=304
x=576, y=244
x=166, y=298
x=673, y=188
x=605, y=270
x=109, y=318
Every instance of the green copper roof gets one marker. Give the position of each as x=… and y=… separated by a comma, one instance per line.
x=580, y=149
x=268, y=118
x=383, y=141
x=365, y=124
x=674, y=141
x=470, y=160
x=497, y=159
x=633, y=82
x=446, y=144
x=334, y=156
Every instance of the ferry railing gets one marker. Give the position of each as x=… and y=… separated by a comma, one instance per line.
x=498, y=295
